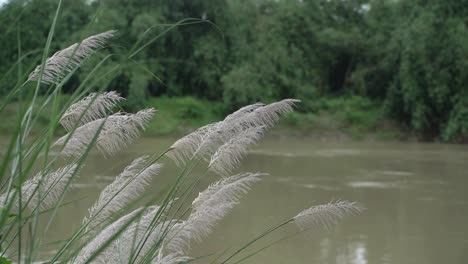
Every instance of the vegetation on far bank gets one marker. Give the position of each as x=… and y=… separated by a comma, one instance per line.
x=352, y=117
x=408, y=58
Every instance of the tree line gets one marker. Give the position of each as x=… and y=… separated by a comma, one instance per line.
x=410, y=56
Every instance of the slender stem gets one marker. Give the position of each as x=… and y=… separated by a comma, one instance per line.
x=267, y=246
x=258, y=238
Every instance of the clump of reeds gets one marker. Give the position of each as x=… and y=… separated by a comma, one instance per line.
x=153, y=233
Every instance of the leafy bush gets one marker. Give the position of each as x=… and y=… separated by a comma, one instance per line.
x=177, y=114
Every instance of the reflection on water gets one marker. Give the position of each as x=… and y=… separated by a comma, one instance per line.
x=415, y=194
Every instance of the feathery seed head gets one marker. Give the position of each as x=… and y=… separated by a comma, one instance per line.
x=120, y=250
x=44, y=188
x=243, y=111
x=105, y=235
x=127, y=186
x=326, y=215
x=229, y=155
x=270, y=114
x=205, y=141
x=170, y=258
x=117, y=132
x=197, y=142
x=90, y=108
x=208, y=209
x=65, y=61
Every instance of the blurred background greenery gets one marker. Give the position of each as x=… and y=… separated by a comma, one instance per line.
x=391, y=68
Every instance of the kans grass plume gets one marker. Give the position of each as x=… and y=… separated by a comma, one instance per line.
x=170, y=258
x=326, y=215
x=208, y=209
x=138, y=240
x=229, y=155
x=206, y=140
x=90, y=108
x=184, y=149
x=270, y=114
x=243, y=111
x=104, y=237
x=114, y=133
x=65, y=61
x=124, y=189
x=42, y=190
x=140, y=232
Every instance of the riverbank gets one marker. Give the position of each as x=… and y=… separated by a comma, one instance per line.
x=338, y=118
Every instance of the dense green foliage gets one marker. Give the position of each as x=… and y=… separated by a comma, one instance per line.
x=409, y=57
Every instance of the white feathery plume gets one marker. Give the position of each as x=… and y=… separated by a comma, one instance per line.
x=125, y=188
x=65, y=61
x=208, y=208
x=117, y=132
x=170, y=258
x=252, y=118
x=90, y=108
x=76, y=143
x=326, y=215
x=43, y=188
x=121, y=130
x=222, y=132
x=270, y=114
x=243, y=111
x=228, y=188
x=215, y=137
x=53, y=186
x=229, y=155
x=120, y=250
x=255, y=117
x=104, y=236
x=206, y=140
x=185, y=148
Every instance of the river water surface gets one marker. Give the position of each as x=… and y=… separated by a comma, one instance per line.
x=416, y=197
